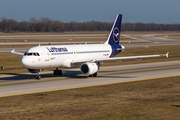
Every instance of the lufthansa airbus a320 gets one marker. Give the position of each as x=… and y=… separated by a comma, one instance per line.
x=87, y=57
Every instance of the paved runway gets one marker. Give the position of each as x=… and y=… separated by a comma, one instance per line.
x=153, y=40
x=25, y=83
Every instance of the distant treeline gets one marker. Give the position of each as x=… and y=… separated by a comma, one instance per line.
x=49, y=25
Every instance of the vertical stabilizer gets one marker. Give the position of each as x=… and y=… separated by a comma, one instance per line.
x=114, y=36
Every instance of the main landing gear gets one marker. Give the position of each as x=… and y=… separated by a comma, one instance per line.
x=93, y=75
x=57, y=72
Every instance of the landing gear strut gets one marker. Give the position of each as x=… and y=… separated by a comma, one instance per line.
x=57, y=72
x=38, y=76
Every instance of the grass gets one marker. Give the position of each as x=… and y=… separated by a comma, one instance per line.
x=150, y=99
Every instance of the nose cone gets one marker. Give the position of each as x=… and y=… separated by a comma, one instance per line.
x=25, y=62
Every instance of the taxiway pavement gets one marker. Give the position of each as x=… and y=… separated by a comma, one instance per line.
x=25, y=83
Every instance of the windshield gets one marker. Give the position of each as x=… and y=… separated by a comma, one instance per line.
x=31, y=54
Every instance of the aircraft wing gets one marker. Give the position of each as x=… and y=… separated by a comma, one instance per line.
x=119, y=58
x=17, y=53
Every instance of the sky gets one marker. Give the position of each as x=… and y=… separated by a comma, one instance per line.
x=145, y=11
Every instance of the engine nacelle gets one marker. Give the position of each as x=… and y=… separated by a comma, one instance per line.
x=35, y=70
x=89, y=68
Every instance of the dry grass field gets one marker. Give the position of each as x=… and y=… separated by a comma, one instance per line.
x=141, y=100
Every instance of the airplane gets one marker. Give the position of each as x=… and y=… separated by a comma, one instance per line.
x=87, y=57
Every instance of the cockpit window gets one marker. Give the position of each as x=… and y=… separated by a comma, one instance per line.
x=37, y=54
x=31, y=54
x=25, y=53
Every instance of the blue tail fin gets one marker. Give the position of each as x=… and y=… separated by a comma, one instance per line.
x=114, y=36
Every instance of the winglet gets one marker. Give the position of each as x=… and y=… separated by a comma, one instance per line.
x=167, y=54
x=17, y=53
x=12, y=51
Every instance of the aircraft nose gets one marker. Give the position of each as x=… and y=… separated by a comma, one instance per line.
x=24, y=62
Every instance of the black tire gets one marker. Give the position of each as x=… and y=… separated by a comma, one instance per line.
x=59, y=72
x=95, y=74
x=37, y=77
x=55, y=72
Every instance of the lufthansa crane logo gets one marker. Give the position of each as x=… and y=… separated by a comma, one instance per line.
x=116, y=34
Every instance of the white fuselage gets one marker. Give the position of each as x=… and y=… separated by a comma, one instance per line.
x=55, y=56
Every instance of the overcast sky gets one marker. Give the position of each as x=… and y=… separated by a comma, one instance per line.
x=146, y=11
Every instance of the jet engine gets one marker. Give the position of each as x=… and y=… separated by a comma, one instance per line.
x=89, y=68
x=35, y=70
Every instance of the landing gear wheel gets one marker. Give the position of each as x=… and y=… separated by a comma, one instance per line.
x=95, y=74
x=55, y=72
x=38, y=77
x=59, y=72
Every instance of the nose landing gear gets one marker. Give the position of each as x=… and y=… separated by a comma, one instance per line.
x=38, y=75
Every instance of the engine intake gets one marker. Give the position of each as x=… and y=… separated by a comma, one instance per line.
x=89, y=68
